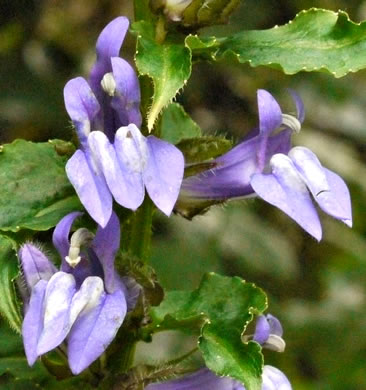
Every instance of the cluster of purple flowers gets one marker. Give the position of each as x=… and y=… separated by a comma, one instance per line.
x=82, y=305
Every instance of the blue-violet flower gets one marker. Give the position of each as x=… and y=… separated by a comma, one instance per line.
x=115, y=160
x=265, y=165
x=268, y=333
x=84, y=303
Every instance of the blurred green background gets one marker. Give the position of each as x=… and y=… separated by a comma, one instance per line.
x=317, y=290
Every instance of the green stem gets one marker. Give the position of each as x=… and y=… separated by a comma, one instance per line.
x=127, y=357
x=120, y=357
x=140, y=231
x=142, y=10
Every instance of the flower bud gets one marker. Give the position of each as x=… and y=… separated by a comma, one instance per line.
x=196, y=13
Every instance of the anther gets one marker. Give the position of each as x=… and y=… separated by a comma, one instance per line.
x=108, y=84
x=292, y=122
x=82, y=237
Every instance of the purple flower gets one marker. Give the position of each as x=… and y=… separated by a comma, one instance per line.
x=83, y=304
x=268, y=333
x=115, y=160
x=204, y=379
x=265, y=165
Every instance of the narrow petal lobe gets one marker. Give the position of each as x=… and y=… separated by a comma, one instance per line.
x=163, y=174
x=105, y=245
x=33, y=322
x=285, y=189
x=35, y=265
x=60, y=290
x=81, y=105
x=94, y=330
x=90, y=187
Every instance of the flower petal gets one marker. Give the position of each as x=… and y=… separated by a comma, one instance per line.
x=262, y=330
x=285, y=189
x=270, y=114
x=60, y=237
x=275, y=325
x=231, y=177
x=35, y=265
x=340, y=190
x=274, y=379
x=108, y=45
x=300, y=108
x=90, y=186
x=87, y=297
x=133, y=291
x=33, y=322
x=126, y=187
x=94, y=329
x=333, y=199
x=163, y=174
x=105, y=245
x=127, y=101
x=81, y=105
x=57, y=302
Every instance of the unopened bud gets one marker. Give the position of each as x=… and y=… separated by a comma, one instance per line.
x=196, y=13
x=174, y=9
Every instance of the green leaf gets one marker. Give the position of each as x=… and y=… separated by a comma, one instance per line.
x=226, y=355
x=316, y=40
x=35, y=192
x=177, y=125
x=201, y=149
x=10, y=342
x=9, y=270
x=168, y=64
x=222, y=307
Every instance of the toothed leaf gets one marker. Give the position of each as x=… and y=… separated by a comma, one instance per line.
x=168, y=65
x=35, y=192
x=220, y=309
x=316, y=40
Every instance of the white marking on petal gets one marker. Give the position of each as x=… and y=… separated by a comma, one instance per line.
x=87, y=297
x=134, y=148
x=56, y=302
x=310, y=168
x=283, y=167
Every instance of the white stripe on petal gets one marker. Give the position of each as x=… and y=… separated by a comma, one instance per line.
x=87, y=297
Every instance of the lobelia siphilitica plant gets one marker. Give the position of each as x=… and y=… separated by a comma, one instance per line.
x=80, y=308
x=133, y=156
